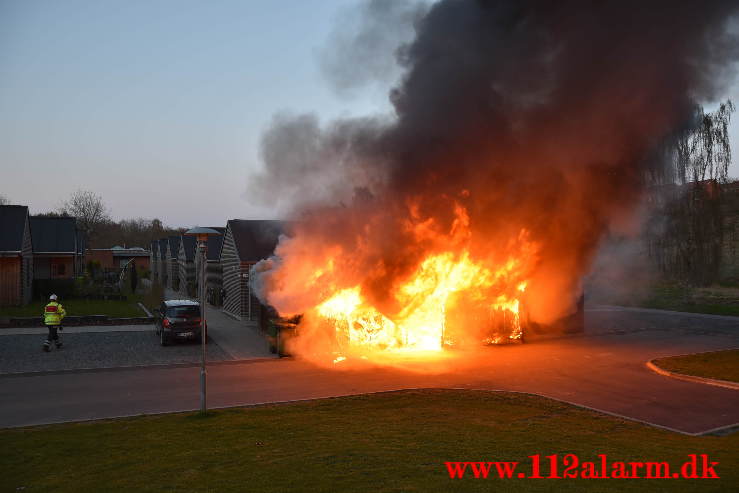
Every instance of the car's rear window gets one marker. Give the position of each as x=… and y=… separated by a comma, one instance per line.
x=183, y=311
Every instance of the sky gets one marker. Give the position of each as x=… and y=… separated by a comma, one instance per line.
x=158, y=106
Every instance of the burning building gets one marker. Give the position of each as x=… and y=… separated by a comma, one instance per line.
x=522, y=133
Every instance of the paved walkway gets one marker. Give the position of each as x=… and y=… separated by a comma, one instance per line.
x=240, y=340
x=77, y=330
x=97, y=349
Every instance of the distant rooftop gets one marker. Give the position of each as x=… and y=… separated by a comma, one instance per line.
x=53, y=234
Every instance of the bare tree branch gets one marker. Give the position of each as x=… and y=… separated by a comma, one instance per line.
x=88, y=208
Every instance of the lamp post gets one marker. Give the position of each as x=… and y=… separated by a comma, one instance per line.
x=201, y=236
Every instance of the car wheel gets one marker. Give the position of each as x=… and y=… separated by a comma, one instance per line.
x=163, y=339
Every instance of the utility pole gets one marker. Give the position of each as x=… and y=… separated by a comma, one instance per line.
x=201, y=235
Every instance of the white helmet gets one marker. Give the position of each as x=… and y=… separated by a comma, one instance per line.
x=52, y=297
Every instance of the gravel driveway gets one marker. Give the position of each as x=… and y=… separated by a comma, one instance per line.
x=23, y=353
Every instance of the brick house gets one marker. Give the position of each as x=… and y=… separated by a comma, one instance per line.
x=113, y=259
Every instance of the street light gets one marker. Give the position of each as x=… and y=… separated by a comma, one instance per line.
x=201, y=235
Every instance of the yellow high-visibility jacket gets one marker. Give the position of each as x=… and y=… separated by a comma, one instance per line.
x=54, y=313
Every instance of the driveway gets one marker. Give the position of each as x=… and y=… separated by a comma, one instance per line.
x=240, y=340
x=95, y=347
x=602, y=369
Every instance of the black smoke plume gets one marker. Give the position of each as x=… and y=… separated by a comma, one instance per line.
x=534, y=115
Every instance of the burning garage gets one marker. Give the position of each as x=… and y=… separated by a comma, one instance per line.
x=521, y=134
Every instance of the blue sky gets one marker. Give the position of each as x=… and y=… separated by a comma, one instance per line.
x=158, y=106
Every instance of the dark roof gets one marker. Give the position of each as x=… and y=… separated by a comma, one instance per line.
x=163, y=247
x=188, y=244
x=255, y=239
x=154, y=247
x=12, y=225
x=174, y=246
x=54, y=234
x=214, y=246
x=80, y=242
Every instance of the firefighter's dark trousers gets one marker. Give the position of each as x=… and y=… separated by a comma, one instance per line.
x=53, y=336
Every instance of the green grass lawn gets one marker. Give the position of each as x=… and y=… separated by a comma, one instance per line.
x=392, y=442
x=722, y=365
x=112, y=308
x=716, y=300
x=712, y=309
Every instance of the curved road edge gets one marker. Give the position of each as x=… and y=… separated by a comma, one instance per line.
x=690, y=378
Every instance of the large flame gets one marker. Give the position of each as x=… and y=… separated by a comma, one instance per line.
x=425, y=299
x=449, y=298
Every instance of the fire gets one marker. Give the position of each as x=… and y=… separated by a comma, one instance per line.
x=421, y=325
x=455, y=291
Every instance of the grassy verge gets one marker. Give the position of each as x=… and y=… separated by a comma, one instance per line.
x=394, y=442
x=112, y=308
x=717, y=300
x=721, y=365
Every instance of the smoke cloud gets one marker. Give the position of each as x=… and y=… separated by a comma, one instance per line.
x=367, y=43
x=534, y=116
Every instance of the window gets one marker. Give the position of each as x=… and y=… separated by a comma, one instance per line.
x=183, y=311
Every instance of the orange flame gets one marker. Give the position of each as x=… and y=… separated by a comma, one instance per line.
x=422, y=322
x=451, y=298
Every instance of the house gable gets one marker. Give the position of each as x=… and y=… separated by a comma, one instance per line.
x=231, y=265
x=16, y=256
x=54, y=235
x=13, y=227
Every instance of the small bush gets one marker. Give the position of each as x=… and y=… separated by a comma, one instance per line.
x=94, y=269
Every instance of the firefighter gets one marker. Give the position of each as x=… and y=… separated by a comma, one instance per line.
x=53, y=315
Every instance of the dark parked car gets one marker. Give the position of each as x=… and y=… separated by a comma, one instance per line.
x=178, y=320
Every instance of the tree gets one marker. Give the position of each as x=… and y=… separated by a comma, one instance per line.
x=685, y=230
x=53, y=214
x=132, y=232
x=89, y=209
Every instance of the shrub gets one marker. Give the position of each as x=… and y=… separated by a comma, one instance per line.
x=94, y=269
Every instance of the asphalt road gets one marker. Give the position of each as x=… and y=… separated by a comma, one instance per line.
x=603, y=369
